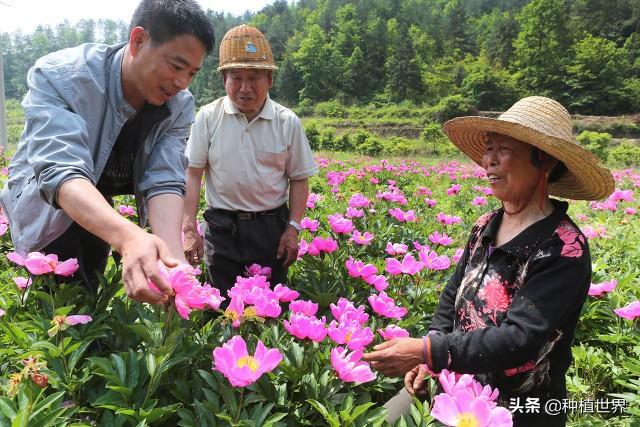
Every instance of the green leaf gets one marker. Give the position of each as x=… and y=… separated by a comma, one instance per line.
x=151, y=363
x=7, y=407
x=52, y=399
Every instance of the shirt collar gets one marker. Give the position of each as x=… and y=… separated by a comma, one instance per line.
x=115, y=83
x=267, y=112
x=523, y=245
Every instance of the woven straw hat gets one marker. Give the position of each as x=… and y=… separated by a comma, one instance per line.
x=245, y=47
x=543, y=123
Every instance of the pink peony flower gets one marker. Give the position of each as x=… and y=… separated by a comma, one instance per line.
x=479, y=201
x=379, y=282
x=440, y=239
x=630, y=211
x=258, y=270
x=309, y=224
x=66, y=268
x=361, y=239
x=601, y=288
x=267, y=304
x=339, y=224
x=126, y=210
x=386, y=307
x=359, y=268
x=402, y=216
x=432, y=261
x=38, y=263
x=456, y=257
x=354, y=213
x=312, y=199
x=409, y=266
x=396, y=249
x=630, y=311
x=284, y=293
x=453, y=190
x=241, y=369
x=462, y=409
x=350, y=333
x=345, y=311
x=303, y=248
x=235, y=311
x=306, y=307
x=62, y=323
x=358, y=200
x=77, y=319
x=448, y=219
x=302, y=327
x=321, y=244
x=349, y=367
x=245, y=285
x=16, y=258
x=621, y=195
x=594, y=232
x=393, y=331
x=22, y=282
x=430, y=202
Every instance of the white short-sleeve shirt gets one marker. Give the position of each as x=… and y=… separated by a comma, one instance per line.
x=248, y=165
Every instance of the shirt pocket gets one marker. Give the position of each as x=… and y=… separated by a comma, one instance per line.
x=271, y=163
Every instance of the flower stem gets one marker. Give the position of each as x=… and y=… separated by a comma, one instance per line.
x=240, y=405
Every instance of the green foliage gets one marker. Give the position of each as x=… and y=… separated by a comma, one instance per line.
x=625, y=154
x=450, y=107
x=596, y=142
x=489, y=88
x=372, y=146
x=313, y=135
x=332, y=108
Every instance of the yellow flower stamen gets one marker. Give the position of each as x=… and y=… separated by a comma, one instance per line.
x=249, y=361
x=467, y=419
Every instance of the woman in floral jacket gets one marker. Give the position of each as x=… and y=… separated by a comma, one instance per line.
x=509, y=312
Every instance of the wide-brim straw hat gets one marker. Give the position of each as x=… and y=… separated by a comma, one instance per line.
x=245, y=47
x=546, y=124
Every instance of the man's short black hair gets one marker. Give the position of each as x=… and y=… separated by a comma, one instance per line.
x=167, y=19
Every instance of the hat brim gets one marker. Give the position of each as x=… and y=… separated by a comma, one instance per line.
x=247, y=65
x=584, y=178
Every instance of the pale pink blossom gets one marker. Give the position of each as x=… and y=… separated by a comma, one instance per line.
x=284, y=293
x=479, y=201
x=595, y=290
x=453, y=190
x=354, y=213
x=16, y=258
x=622, y=195
x=402, y=216
x=359, y=269
x=235, y=311
x=359, y=200
x=386, y=307
x=462, y=409
x=266, y=304
x=594, y=232
x=448, y=219
x=440, y=239
x=38, y=263
x=309, y=224
x=350, y=333
x=349, y=367
x=257, y=270
x=396, y=249
x=244, y=285
x=302, y=327
x=345, y=311
x=630, y=311
x=409, y=266
x=306, y=307
x=241, y=369
x=362, y=239
x=22, y=282
x=393, y=331
x=379, y=282
x=456, y=257
x=339, y=224
x=430, y=202
x=77, y=319
x=312, y=199
x=630, y=211
x=2, y=312
x=126, y=210
x=432, y=261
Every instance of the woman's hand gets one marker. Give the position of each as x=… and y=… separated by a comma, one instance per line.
x=396, y=357
x=414, y=379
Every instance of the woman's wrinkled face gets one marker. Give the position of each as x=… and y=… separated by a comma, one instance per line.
x=512, y=175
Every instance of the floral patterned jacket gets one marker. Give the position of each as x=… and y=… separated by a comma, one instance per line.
x=508, y=314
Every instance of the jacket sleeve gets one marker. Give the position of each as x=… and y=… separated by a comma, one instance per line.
x=555, y=288
x=165, y=171
x=56, y=137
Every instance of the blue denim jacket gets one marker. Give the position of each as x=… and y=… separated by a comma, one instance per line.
x=74, y=112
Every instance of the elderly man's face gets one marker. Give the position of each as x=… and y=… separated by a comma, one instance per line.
x=512, y=175
x=248, y=89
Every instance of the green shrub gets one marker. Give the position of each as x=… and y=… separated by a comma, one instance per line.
x=304, y=108
x=372, y=146
x=360, y=137
x=344, y=142
x=397, y=145
x=333, y=109
x=625, y=154
x=452, y=106
x=433, y=137
x=596, y=142
x=313, y=135
x=327, y=139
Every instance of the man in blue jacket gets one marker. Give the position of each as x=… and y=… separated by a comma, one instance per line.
x=103, y=121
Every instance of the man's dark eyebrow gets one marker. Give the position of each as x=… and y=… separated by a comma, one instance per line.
x=184, y=62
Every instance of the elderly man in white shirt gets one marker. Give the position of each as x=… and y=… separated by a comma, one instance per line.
x=256, y=157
